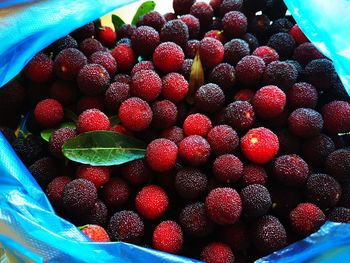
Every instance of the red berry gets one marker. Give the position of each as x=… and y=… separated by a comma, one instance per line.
x=306, y=218
x=197, y=124
x=194, y=150
x=336, y=117
x=216, y=252
x=95, y=233
x=211, y=52
x=146, y=84
x=168, y=237
x=269, y=101
x=223, y=139
x=92, y=120
x=107, y=36
x=151, y=202
x=182, y=6
x=236, y=236
x=268, y=54
x=175, y=87
x=298, y=35
x=135, y=114
x=223, y=206
x=115, y=193
x=124, y=56
x=217, y=34
x=168, y=57
x=98, y=175
x=39, y=69
x=204, y=12
x=49, y=113
x=161, y=155
x=55, y=189
x=121, y=129
x=259, y=145
x=227, y=168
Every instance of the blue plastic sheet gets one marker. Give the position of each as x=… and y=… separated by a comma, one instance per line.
x=30, y=231
x=29, y=26
x=327, y=24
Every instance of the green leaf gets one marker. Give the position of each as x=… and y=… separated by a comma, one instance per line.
x=103, y=148
x=142, y=10
x=46, y=134
x=117, y=22
x=114, y=120
x=70, y=115
x=196, y=78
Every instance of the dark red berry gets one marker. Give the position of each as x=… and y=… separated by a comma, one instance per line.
x=291, y=170
x=93, y=79
x=235, y=50
x=224, y=76
x=256, y=200
x=194, y=221
x=164, y=114
x=240, y=115
x=234, y=24
x=58, y=138
x=106, y=60
x=253, y=174
x=223, y=139
x=175, y=31
x=305, y=122
x=68, y=63
x=250, y=70
x=115, y=95
x=190, y=183
x=302, y=95
x=209, y=98
x=336, y=117
x=144, y=40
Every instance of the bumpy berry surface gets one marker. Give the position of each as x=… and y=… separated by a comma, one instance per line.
x=250, y=69
x=240, y=115
x=338, y=164
x=174, y=87
x=161, y=155
x=168, y=57
x=227, y=168
x=151, y=202
x=259, y=145
x=168, y=237
x=223, y=206
x=217, y=252
x=211, y=51
x=68, y=63
x=48, y=113
x=197, y=124
x=144, y=40
x=256, y=200
x=92, y=120
x=223, y=139
x=306, y=218
x=115, y=193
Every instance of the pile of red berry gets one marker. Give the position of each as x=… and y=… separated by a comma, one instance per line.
x=256, y=160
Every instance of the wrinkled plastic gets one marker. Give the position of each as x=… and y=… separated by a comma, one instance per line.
x=30, y=231
x=29, y=26
x=327, y=24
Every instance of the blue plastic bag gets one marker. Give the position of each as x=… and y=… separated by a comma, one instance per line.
x=30, y=231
